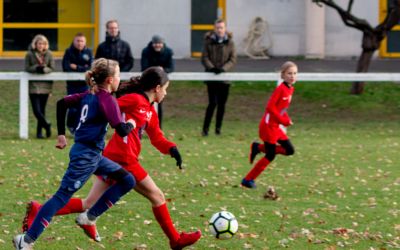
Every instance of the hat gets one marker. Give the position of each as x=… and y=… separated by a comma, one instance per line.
x=157, y=39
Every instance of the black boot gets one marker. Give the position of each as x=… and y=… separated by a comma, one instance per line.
x=39, y=134
x=48, y=130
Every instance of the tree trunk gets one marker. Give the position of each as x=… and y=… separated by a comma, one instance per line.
x=362, y=66
x=370, y=43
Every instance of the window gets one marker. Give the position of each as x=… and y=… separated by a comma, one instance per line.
x=390, y=46
x=58, y=20
x=204, y=13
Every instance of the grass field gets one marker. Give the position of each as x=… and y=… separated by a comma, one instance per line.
x=340, y=189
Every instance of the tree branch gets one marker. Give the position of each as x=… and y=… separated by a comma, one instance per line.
x=347, y=17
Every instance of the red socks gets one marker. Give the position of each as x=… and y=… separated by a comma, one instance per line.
x=74, y=205
x=280, y=150
x=261, y=147
x=164, y=219
x=257, y=169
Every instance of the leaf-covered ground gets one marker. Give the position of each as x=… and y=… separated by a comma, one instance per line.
x=339, y=190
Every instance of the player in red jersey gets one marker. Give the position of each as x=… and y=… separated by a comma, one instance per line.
x=135, y=101
x=271, y=130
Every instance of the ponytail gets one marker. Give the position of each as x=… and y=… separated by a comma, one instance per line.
x=131, y=86
x=100, y=70
x=90, y=81
x=149, y=79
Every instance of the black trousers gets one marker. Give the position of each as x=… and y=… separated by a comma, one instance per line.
x=217, y=96
x=39, y=102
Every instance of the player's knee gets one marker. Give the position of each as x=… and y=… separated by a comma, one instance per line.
x=290, y=151
x=129, y=181
x=123, y=177
x=270, y=155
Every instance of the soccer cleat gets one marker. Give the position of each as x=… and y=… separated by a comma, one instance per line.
x=253, y=151
x=248, y=183
x=88, y=226
x=20, y=244
x=32, y=210
x=186, y=239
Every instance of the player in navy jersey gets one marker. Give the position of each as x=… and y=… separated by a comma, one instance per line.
x=136, y=102
x=98, y=108
x=271, y=131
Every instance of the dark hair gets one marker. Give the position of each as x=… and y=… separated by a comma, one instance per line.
x=79, y=34
x=149, y=79
x=219, y=20
x=100, y=70
x=111, y=21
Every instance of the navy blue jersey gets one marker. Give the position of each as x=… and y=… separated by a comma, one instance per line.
x=96, y=111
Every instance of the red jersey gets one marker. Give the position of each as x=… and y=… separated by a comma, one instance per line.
x=276, y=110
x=126, y=150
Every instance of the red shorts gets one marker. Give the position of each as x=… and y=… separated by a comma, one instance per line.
x=272, y=134
x=135, y=169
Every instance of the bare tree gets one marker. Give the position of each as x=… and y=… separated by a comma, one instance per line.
x=372, y=36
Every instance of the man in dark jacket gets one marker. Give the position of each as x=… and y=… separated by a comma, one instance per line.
x=218, y=56
x=115, y=48
x=158, y=54
x=77, y=58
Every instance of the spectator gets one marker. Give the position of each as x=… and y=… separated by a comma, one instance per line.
x=115, y=48
x=158, y=54
x=39, y=60
x=218, y=56
x=77, y=58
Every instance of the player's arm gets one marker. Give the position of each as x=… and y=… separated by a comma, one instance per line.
x=159, y=141
x=111, y=111
x=62, y=107
x=273, y=110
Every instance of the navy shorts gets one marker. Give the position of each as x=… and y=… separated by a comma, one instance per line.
x=85, y=161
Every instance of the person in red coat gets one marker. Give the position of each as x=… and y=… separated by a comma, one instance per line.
x=136, y=99
x=272, y=126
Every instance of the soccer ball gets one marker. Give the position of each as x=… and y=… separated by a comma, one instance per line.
x=223, y=225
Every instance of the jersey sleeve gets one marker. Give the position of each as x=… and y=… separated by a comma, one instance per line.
x=273, y=109
x=109, y=107
x=73, y=100
x=156, y=136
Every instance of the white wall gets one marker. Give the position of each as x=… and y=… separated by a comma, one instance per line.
x=140, y=20
x=285, y=18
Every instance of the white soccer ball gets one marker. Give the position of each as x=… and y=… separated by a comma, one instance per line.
x=223, y=225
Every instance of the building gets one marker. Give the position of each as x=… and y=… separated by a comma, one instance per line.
x=297, y=27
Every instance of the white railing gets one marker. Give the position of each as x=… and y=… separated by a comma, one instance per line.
x=24, y=78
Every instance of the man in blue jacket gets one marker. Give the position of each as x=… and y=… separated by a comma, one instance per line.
x=77, y=58
x=158, y=54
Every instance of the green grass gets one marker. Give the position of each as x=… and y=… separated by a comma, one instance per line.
x=344, y=174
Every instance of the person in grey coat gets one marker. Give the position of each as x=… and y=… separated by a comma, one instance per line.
x=39, y=60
